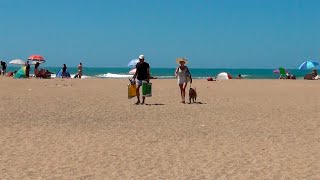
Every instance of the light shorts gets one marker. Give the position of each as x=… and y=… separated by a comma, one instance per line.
x=139, y=82
x=183, y=79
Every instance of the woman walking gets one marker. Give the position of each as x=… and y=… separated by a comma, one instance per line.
x=184, y=76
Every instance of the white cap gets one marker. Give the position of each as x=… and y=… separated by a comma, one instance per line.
x=141, y=57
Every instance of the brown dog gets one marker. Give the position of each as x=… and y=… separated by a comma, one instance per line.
x=192, y=95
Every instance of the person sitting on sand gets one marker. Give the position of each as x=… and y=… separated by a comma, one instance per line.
x=11, y=74
x=210, y=79
x=47, y=74
x=184, y=76
x=312, y=76
x=142, y=74
x=288, y=75
x=239, y=76
x=293, y=77
x=315, y=74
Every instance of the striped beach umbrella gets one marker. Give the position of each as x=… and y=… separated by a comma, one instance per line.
x=308, y=65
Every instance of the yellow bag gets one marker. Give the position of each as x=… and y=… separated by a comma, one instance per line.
x=131, y=91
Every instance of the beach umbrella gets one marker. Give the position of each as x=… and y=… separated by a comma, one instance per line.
x=133, y=71
x=37, y=58
x=223, y=76
x=133, y=62
x=17, y=62
x=308, y=65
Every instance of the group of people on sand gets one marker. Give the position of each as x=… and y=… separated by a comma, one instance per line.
x=288, y=76
x=65, y=73
x=313, y=76
x=182, y=73
x=40, y=72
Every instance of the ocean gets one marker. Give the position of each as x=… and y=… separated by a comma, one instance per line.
x=168, y=73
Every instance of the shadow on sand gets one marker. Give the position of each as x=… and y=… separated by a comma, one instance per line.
x=155, y=104
x=196, y=103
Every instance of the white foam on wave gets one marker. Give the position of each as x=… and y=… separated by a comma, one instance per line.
x=244, y=75
x=165, y=77
x=72, y=76
x=111, y=75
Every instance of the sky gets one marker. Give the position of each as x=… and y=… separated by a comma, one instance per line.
x=209, y=33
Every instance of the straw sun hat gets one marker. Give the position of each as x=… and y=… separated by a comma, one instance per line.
x=178, y=60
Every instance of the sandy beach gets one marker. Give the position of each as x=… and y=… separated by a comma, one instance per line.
x=88, y=129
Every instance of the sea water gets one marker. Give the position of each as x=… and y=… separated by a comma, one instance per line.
x=168, y=73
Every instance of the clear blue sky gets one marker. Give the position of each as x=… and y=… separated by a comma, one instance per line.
x=210, y=33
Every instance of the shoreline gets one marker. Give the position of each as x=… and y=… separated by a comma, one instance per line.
x=168, y=73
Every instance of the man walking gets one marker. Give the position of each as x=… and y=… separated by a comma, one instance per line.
x=142, y=74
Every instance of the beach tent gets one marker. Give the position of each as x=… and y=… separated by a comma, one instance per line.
x=223, y=76
x=59, y=74
x=21, y=73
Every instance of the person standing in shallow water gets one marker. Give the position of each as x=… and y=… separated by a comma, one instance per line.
x=142, y=74
x=64, y=71
x=79, y=74
x=183, y=74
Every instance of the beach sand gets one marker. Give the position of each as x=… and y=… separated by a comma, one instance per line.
x=88, y=129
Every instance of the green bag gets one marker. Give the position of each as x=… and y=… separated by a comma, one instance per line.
x=146, y=89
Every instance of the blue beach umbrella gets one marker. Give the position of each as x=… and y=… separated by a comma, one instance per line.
x=133, y=62
x=308, y=65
